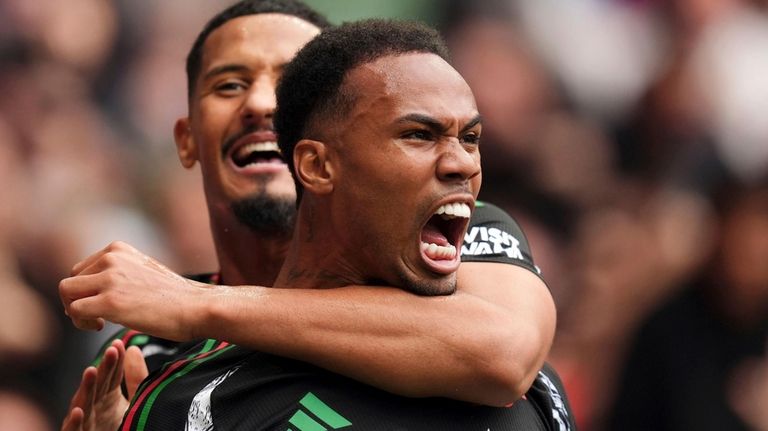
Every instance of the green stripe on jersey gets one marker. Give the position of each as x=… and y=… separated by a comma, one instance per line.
x=139, y=340
x=186, y=369
x=322, y=411
x=303, y=422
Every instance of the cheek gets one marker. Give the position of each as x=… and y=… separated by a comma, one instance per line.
x=217, y=117
x=477, y=182
x=385, y=182
x=373, y=204
x=214, y=127
x=208, y=153
x=396, y=189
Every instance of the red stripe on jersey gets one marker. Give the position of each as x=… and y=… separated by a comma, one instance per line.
x=175, y=366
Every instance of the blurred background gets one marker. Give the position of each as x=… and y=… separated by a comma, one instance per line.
x=628, y=137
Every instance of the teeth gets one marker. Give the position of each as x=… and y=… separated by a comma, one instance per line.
x=255, y=147
x=438, y=252
x=453, y=210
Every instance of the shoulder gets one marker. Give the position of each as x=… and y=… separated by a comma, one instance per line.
x=495, y=236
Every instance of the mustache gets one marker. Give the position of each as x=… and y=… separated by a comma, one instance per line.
x=230, y=141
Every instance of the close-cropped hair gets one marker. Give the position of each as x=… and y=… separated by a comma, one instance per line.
x=242, y=8
x=312, y=83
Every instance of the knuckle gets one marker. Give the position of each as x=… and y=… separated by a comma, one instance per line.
x=75, y=312
x=108, y=299
x=111, y=278
x=109, y=259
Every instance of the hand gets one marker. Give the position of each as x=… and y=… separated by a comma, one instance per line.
x=99, y=404
x=122, y=285
x=81, y=401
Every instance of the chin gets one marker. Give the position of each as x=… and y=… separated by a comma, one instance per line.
x=429, y=286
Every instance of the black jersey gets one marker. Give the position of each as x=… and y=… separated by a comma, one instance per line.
x=226, y=387
x=219, y=386
x=494, y=236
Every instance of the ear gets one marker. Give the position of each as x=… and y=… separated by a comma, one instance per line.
x=314, y=169
x=185, y=144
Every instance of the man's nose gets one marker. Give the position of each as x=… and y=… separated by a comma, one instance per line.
x=259, y=105
x=458, y=162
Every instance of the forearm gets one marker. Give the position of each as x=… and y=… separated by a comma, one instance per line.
x=484, y=344
x=465, y=346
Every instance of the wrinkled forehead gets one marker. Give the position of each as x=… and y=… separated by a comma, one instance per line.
x=413, y=82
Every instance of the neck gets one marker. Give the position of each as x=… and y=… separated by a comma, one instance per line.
x=314, y=258
x=246, y=257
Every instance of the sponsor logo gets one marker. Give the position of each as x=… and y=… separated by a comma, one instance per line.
x=199, y=416
x=315, y=415
x=481, y=240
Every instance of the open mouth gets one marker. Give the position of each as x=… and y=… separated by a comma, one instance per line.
x=441, y=236
x=256, y=153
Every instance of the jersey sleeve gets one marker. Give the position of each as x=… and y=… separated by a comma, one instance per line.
x=494, y=236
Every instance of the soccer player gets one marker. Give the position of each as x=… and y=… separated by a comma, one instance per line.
x=382, y=135
x=436, y=343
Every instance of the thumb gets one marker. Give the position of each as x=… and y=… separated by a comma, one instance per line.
x=135, y=370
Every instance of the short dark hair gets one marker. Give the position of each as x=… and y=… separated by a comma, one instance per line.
x=242, y=8
x=311, y=85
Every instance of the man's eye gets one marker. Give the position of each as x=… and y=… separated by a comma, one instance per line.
x=422, y=135
x=230, y=87
x=471, y=138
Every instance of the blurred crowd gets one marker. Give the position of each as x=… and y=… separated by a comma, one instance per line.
x=628, y=137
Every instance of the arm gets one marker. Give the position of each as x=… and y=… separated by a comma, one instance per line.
x=483, y=344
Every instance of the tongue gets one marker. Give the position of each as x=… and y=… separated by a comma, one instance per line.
x=432, y=235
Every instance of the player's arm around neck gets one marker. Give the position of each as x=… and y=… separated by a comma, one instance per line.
x=483, y=344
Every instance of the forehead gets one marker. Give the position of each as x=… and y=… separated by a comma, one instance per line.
x=269, y=38
x=413, y=83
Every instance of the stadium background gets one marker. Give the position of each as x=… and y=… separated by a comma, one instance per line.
x=617, y=132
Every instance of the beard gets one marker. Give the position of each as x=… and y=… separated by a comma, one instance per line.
x=269, y=216
x=440, y=286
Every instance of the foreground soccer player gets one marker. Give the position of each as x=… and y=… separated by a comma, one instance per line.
x=406, y=344
x=383, y=134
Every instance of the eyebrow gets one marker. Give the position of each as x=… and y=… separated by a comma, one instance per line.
x=477, y=119
x=435, y=125
x=226, y=68
x=229, y=68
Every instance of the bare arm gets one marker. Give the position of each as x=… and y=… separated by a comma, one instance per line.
x=483, y=344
